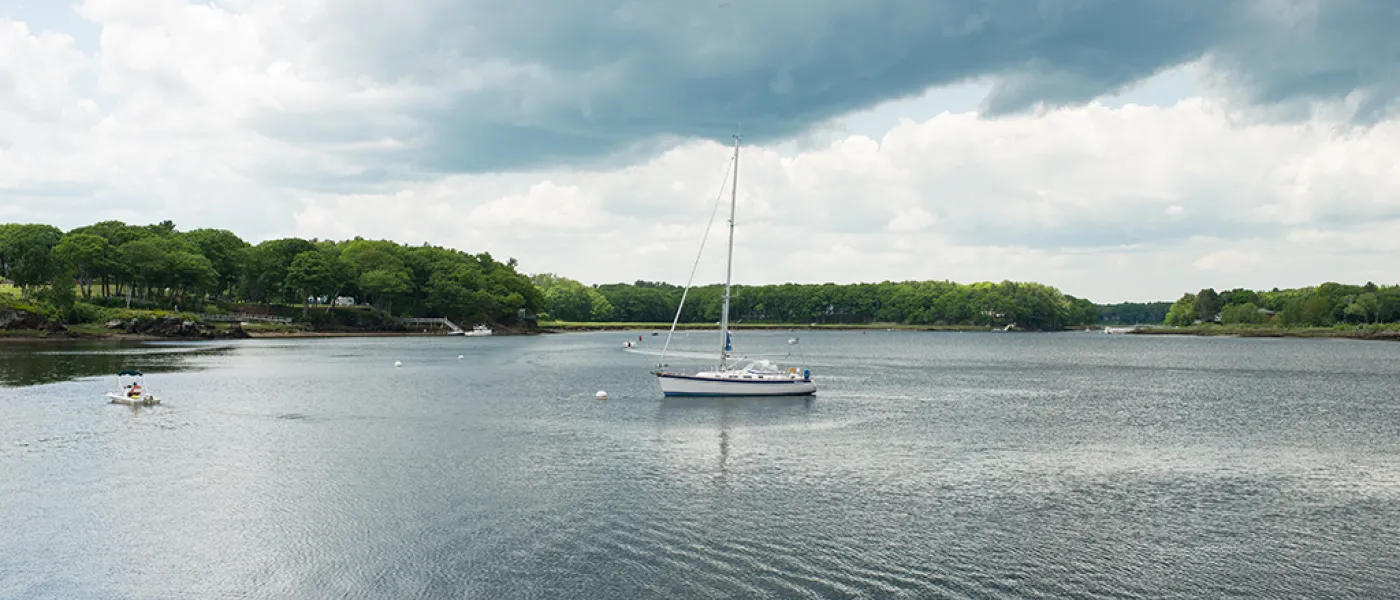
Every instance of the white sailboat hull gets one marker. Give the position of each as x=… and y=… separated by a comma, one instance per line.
x=734, y=383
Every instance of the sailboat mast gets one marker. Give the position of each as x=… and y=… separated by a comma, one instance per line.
x=729, y=265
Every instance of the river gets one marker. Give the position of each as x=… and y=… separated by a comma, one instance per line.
x=958, y=465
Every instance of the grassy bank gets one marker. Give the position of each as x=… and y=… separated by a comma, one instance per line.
x=1358, y=332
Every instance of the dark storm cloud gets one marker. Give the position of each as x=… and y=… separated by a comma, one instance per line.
x=534, y=83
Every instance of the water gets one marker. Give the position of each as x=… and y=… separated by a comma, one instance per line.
x=960, y=465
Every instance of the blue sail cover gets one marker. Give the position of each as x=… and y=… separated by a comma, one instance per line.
x=728, y=347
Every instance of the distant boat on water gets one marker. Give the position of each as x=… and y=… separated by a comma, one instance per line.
x=478, y=331
x=132, y=394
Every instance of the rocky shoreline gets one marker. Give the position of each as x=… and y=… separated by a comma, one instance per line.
x=172, y=327
x=22, y=325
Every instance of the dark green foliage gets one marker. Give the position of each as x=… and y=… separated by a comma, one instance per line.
x=26, y=254
x=1182, y=312
x=1027, y=305
x=1243, y=314
x=59, y=297
x=158, y=266
x=1208, y=305
x=225, y=252
x=1323, y=306
x=1133, y=313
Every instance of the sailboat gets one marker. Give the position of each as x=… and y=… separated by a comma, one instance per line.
x=757, y=378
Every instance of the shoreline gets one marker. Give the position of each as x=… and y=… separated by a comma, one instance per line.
x=33, y=335
x=24, y=335
x=36, y=335
x=582, y=327
x=1272, y=332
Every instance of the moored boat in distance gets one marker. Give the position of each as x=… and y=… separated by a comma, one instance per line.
x=478, y=331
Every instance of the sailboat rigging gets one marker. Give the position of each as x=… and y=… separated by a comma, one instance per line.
x=757, y=378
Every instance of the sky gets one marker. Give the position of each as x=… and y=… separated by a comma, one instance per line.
x=1124, y=150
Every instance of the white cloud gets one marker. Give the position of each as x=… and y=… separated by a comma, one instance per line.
x=1135, y=203
x=1228, y=260
x=544, y=207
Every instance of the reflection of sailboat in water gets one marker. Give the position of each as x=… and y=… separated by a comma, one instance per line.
x=724, y=451
x=757, y=378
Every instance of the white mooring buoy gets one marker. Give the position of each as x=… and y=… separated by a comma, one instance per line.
x=601, y=395
x=398, y=363
x=459, y=357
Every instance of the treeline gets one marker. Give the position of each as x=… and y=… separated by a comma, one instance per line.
x=1321, y=306
x=157, y=265
x=1027, y=305
x=1133, y=313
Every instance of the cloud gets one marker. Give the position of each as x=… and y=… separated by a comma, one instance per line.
x=591, y=139
x=544, y=85
x=1130, y=203
x=472, y=86
x=1227, y=260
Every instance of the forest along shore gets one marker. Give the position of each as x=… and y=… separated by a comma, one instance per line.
x=111, y=280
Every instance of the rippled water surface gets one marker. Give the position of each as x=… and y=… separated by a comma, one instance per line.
x=956, y=465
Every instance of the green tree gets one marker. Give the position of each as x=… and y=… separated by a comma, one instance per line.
x=1208, y=305
x=1130, y=313
x=143, y=262
x=1242, y=314
x=59, y=296
x=1317, y=311
x=565, y=299
x=190, y=273
x=85, y=254
x=1182, y=312
x=166, y=227
x=226, y=253
x=570, y=302
x=265, y=268
x=1239, y=296
x=309, y=274
x=1365, y=308
x=599, y=309
x=1370, y=305
x=383, y=285
x=28, y=254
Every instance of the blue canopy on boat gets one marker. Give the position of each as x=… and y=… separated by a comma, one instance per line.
x=130, y=372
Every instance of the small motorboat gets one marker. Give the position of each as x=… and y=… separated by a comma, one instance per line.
x=133, y=393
